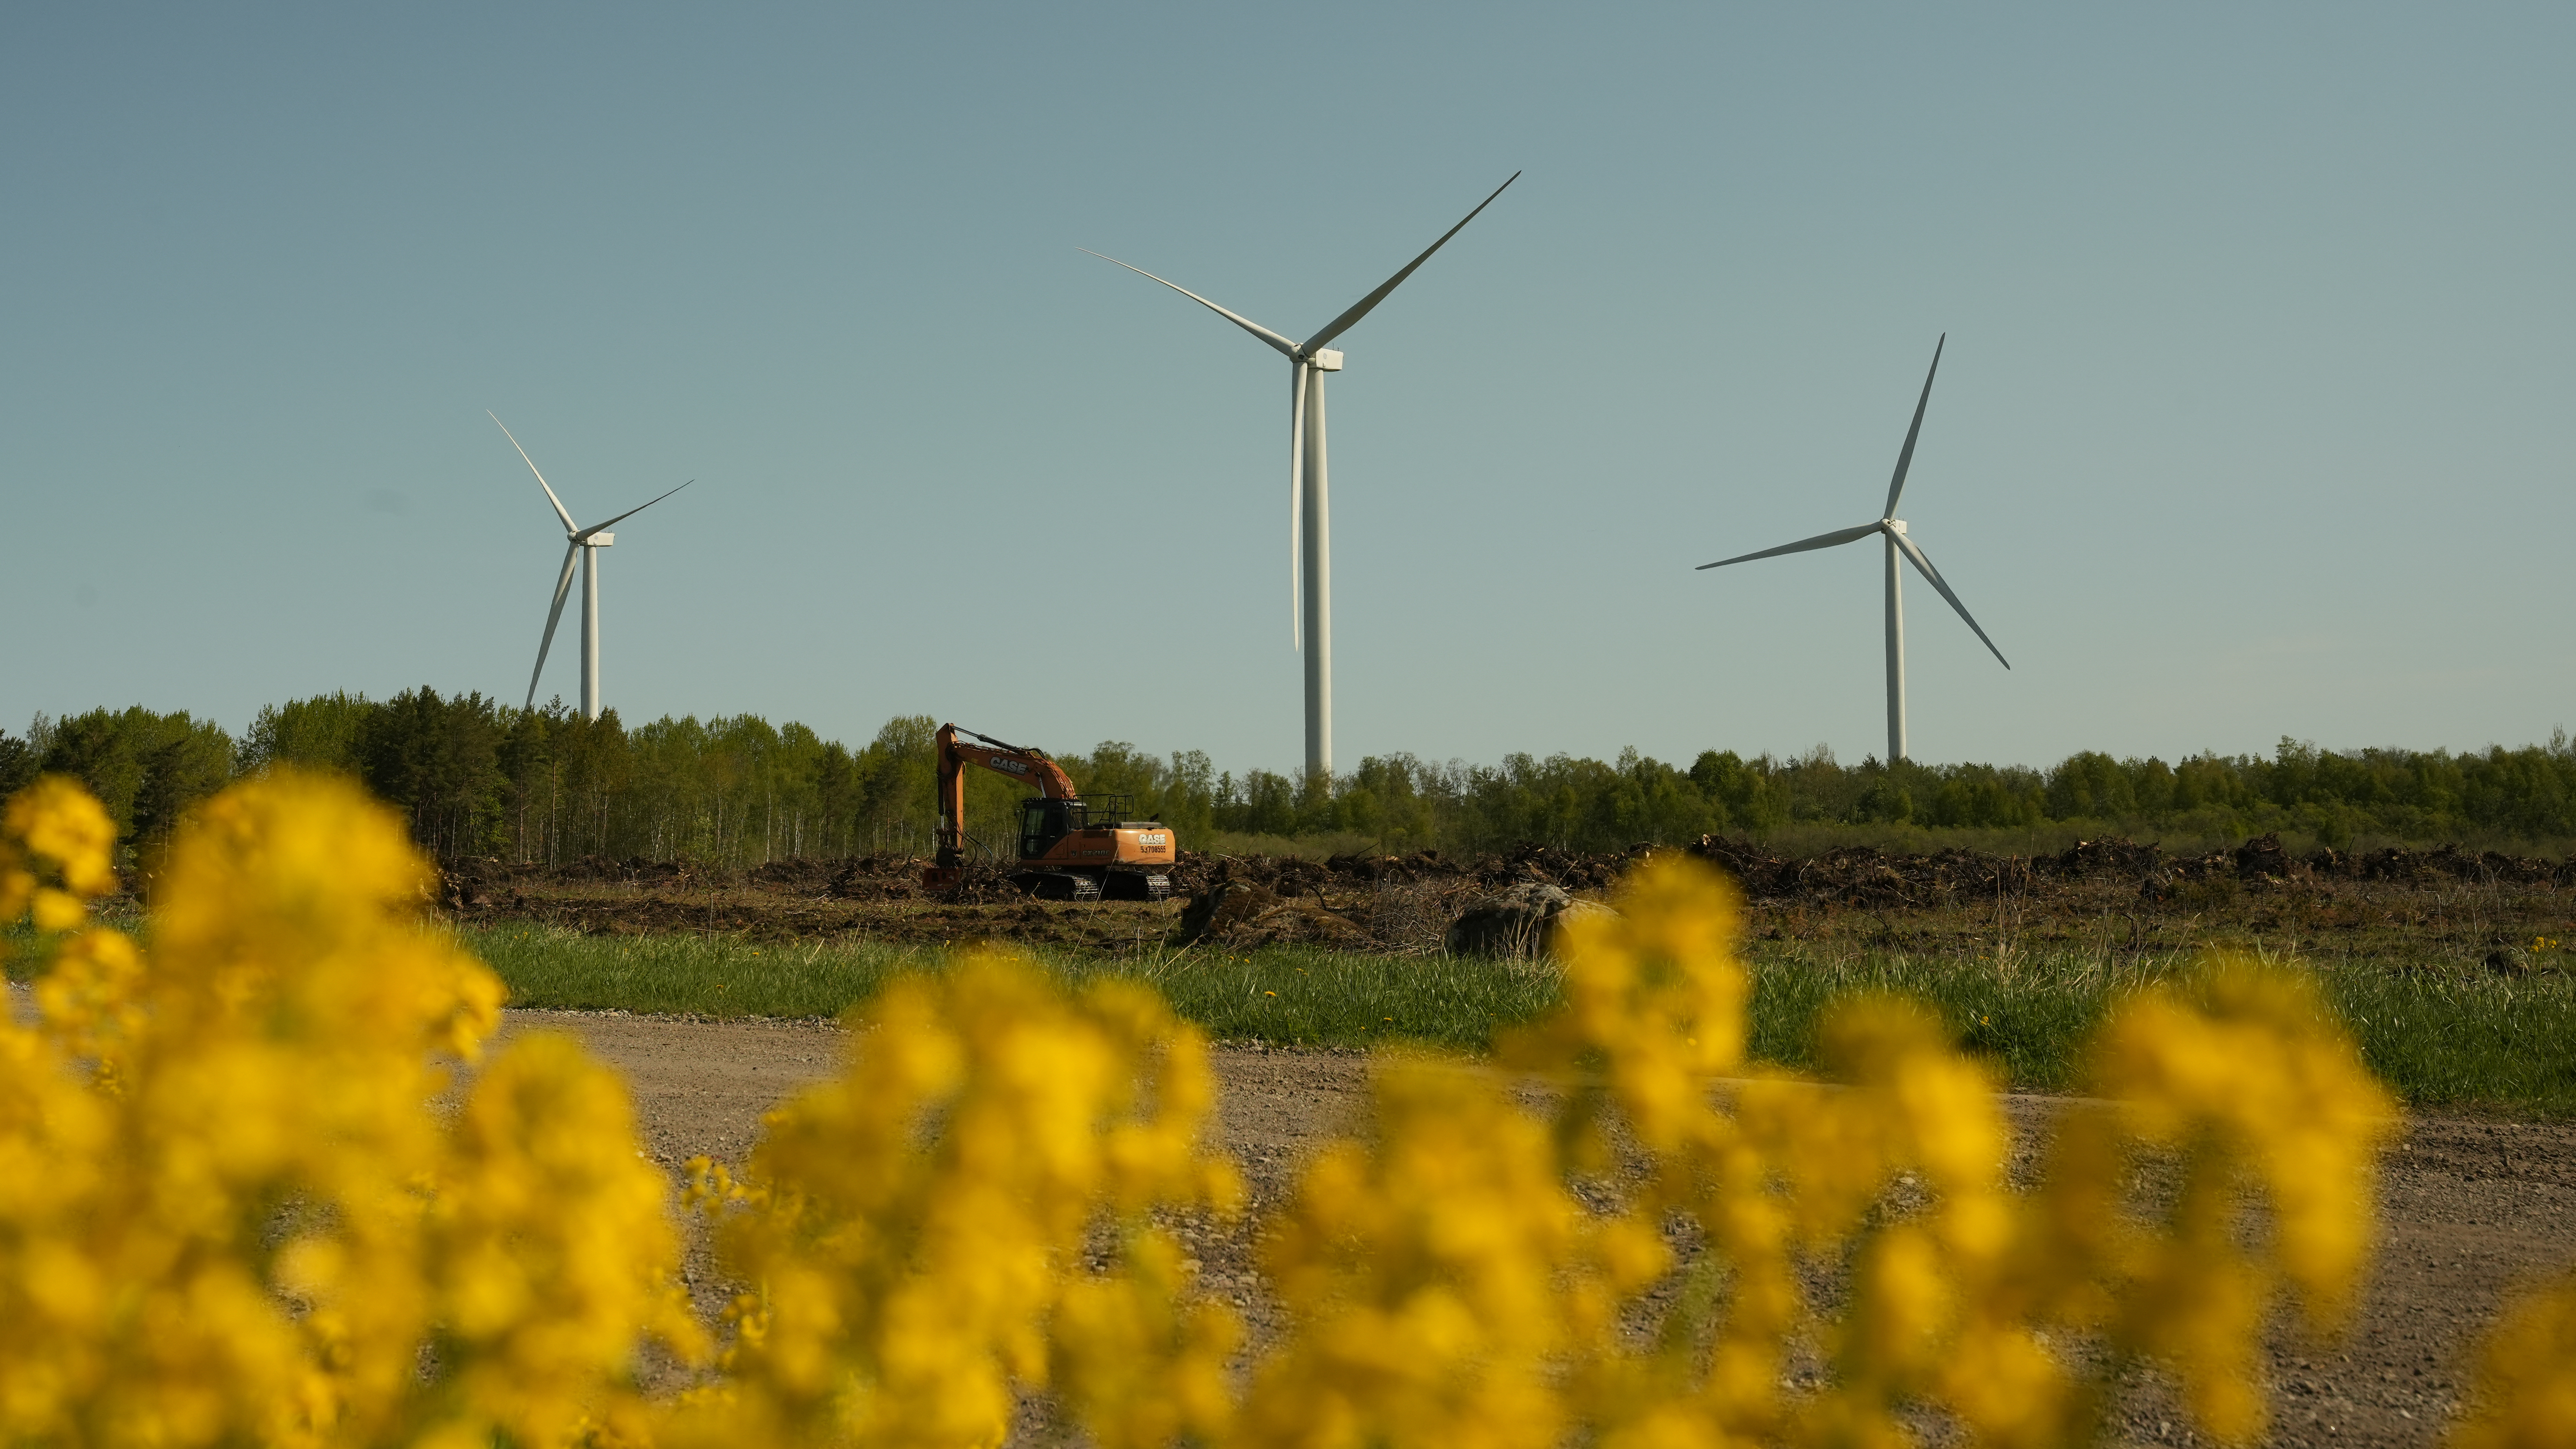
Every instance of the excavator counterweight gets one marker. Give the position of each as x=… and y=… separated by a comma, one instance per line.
x=1070, y=847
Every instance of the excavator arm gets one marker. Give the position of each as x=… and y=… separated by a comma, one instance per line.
x=1027, y=766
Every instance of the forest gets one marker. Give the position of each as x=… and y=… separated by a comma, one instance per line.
x=476, y=777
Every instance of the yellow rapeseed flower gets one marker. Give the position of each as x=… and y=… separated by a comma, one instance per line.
x=2526, y=1390
x=913, y=1226
x=2244, y=1078
x=229, y=1212
x=1958, y=1286
x=54, y=826
x=1423, y=1279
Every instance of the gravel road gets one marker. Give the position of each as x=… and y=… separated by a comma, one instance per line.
x=2472, y=1206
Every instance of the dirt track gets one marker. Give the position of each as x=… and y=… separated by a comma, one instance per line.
x=2471, y=1206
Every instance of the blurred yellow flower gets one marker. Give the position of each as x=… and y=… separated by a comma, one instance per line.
x=914, y=1225
x=228, y=1209
x=2526, y=1391
x=54, y=824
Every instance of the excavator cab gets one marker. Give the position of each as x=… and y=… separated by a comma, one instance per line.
x=1043, y=823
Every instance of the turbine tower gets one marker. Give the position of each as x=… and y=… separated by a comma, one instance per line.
x=1892, y=528
x=586, y=543
x=1310, y=552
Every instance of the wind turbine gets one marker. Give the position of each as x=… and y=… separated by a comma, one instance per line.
x=1310, y=552
x=585, y=542
x=1892, y=528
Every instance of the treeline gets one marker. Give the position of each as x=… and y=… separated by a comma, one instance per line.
x=478, y=777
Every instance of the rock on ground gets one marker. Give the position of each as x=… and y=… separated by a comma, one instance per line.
x=1518, y=922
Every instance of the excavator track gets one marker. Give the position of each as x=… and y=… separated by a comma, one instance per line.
x=1074, y=885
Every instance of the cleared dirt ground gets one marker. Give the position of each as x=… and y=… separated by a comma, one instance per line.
x=2404, y=910
x=2472, y=1206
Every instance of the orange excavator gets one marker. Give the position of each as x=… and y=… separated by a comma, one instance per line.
x=1071, y=848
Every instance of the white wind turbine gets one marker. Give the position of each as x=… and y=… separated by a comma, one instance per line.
x=586, y=543
x=1892, y=528
x=1310, y=566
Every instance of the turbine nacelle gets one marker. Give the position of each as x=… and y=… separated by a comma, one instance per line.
x=1893, y=525
x=603, y=540
x=1326, y=360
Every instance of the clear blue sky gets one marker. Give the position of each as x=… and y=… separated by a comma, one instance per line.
x=2254, y=419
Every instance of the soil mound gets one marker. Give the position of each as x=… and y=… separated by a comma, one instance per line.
x=1242, y=913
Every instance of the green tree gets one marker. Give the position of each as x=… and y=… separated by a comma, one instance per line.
x=20, y=763
x=1742, y=794
x=2090, y=785
x=898, y=777
x=148, y=769
x=438, y=761
x=316, y=733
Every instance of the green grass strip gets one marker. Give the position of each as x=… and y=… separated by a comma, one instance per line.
x=2437, y=1037
x=1278, y=994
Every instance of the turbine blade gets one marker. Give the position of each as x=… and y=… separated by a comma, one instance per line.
x=1931, y=575
x=629, y=513
x=563, y=589
x=1823, y=540
x=1296, y=506
x=1360, y=308
x=569, y=525
x=1246, y=323
x=1905, y=458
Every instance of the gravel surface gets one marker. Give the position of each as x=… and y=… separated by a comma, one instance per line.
x=2472, y=1207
